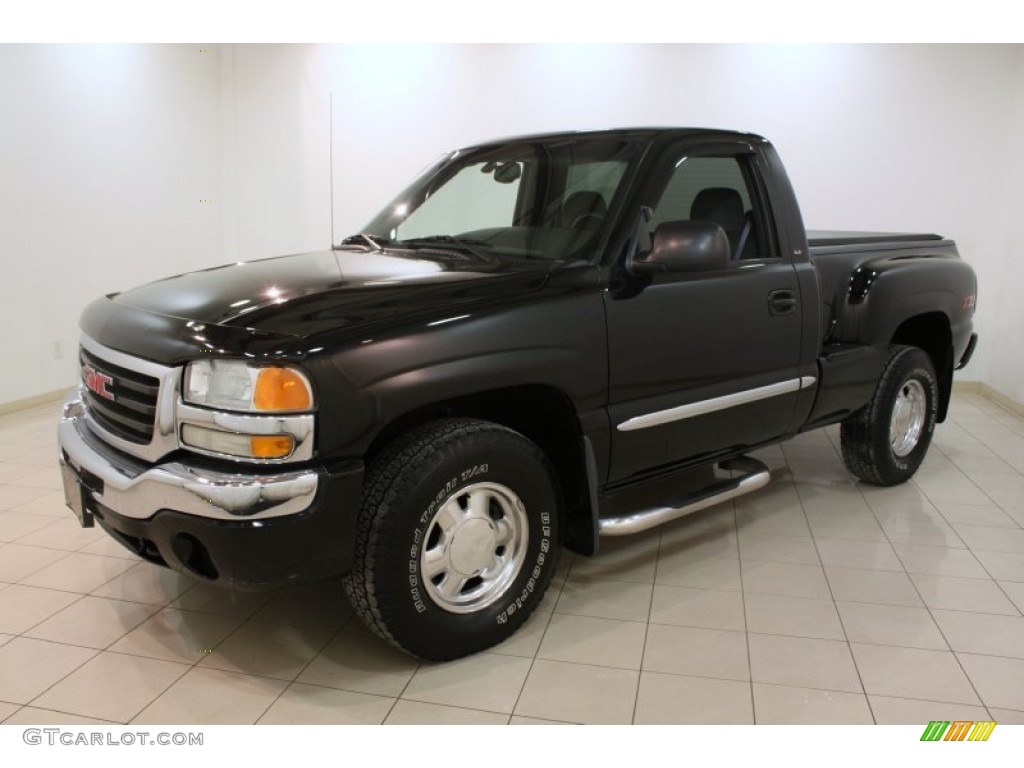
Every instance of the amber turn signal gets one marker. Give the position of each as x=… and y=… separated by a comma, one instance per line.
x=234, y=444
x=272, y=447
x=281, y=389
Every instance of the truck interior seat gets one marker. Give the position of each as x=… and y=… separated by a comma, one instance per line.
x=724, y=206
x=584, y=210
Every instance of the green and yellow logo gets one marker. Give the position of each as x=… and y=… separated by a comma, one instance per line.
x=958, y=730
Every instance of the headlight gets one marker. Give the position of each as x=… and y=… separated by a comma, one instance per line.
x=235, y=385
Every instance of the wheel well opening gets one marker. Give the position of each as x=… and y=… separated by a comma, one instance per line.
x=931, y=332
x=542, y=414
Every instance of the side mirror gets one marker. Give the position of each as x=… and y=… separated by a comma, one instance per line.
x=684, y=246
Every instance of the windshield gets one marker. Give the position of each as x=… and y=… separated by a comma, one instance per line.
x=534, y=199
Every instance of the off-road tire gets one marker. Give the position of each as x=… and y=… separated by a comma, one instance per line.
x=415, y=487
x=876, y=446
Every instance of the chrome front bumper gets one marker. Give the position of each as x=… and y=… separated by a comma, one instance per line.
x=137, y=490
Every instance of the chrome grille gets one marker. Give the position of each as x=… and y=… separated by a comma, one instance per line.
x=131, y=412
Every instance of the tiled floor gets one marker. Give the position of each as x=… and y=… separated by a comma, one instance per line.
x=816, y=600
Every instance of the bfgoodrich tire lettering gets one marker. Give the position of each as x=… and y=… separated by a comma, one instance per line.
x=885, y=442
x=457, y=538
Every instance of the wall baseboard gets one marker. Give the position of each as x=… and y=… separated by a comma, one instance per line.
x=967, y=387
x=32, y=402
x=990, y=393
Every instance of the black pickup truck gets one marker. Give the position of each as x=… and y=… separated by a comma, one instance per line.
x=542, y=341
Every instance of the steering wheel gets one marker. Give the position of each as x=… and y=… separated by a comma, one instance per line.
x=580, y=222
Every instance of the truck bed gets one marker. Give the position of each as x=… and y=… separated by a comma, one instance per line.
x=837, y=254
x=820, y=238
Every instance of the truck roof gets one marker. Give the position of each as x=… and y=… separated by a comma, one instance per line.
x=650, y=132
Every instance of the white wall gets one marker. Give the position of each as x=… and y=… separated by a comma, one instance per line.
x=1005, y=339
x=105, y=155
x=276, y=139
x=111, y=149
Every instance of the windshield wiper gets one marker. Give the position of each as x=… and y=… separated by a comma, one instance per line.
x=374, y=241
x=463, y=244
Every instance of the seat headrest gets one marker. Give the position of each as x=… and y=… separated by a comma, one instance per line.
x=721, y=205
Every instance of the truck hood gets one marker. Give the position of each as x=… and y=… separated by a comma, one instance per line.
x=306, y=294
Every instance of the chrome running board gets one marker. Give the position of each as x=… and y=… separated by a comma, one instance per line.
x=755, y=475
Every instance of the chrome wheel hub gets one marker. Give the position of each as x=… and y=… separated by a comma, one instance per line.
x=475, y=547
x=908, y=418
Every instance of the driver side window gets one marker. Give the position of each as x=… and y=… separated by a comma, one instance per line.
x=714, y=189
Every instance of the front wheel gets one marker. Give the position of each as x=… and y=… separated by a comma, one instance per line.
x=885, y=442
x=457, y=538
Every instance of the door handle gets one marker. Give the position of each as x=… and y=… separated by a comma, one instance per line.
x=782, y=301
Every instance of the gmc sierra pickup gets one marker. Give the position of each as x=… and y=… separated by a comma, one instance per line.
x=542, y=341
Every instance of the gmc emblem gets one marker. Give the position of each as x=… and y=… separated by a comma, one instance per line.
x=97, y=382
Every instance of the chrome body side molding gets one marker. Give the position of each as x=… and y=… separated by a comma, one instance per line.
x=703, y=407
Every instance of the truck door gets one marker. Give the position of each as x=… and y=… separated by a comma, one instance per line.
x=705, y=362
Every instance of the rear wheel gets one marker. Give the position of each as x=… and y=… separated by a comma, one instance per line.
x=885, y=442
x=457, y=538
